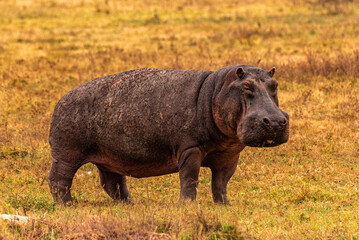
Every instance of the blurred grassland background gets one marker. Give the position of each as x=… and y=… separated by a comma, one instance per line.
x=305, y=189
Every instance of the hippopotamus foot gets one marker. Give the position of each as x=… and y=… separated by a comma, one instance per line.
x=189, y=166
x=115, y=185
x=60, y=181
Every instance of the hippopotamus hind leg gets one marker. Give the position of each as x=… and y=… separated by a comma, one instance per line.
x=115, y=185
x=60, y=180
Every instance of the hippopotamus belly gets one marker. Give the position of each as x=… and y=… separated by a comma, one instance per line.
x=154, y=164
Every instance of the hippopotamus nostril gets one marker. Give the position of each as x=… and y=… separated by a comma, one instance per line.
x=275, y=123
x=266, y=121
x=283, y=122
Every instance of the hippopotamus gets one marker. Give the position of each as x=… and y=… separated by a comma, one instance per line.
x=151, y=122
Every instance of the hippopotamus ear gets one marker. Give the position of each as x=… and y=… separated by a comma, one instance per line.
x=272, y=71
x=240, y=72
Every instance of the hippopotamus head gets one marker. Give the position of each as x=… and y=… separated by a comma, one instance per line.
x=246, y=106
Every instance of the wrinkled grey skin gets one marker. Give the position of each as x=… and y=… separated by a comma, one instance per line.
x=151, y=122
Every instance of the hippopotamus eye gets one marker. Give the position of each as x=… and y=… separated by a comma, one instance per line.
x=247, y=86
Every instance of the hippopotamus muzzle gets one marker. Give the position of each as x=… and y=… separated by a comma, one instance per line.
x=265, y=131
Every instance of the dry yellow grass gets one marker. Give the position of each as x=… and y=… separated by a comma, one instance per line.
x=305, y=189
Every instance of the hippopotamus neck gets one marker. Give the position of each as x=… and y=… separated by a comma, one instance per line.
x=227, y=110
x=206, y=97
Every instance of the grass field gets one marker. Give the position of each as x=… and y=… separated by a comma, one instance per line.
x=307, y=188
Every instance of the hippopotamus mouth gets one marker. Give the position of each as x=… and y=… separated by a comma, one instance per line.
x=267, y=141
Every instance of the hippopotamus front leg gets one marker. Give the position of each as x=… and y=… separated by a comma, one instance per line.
x=189, y=166
x=223, y=166
x=220, y=178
